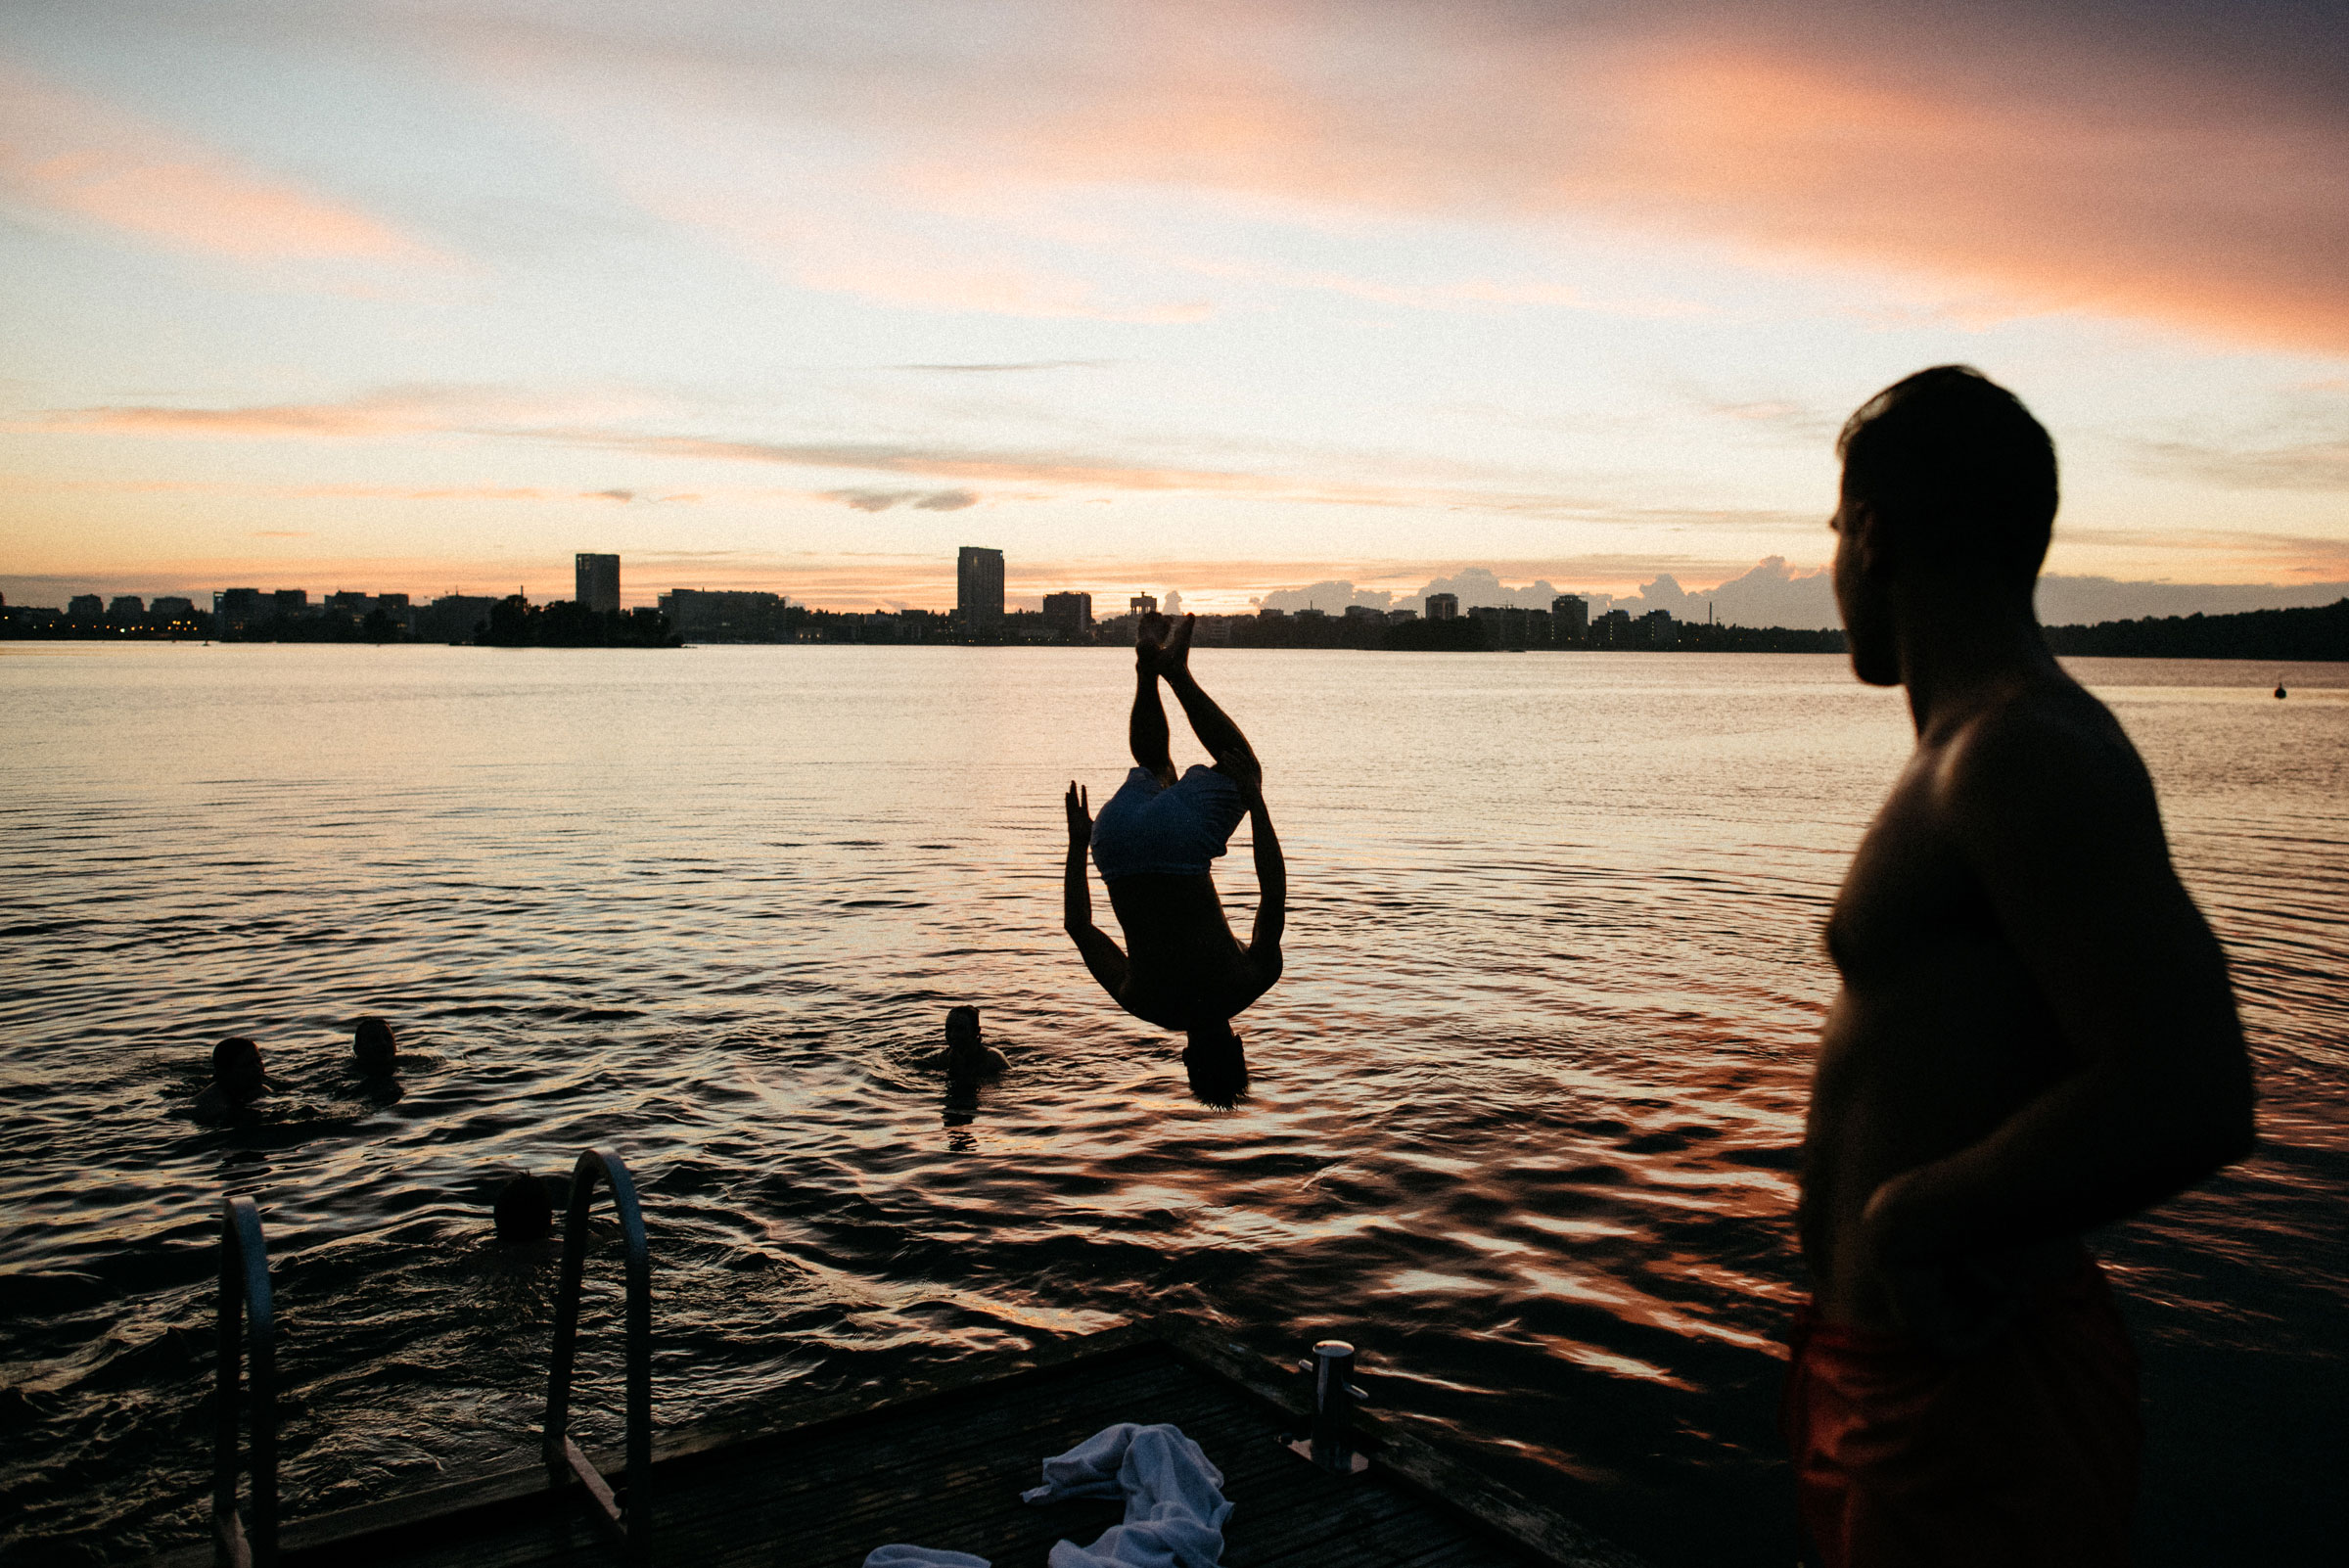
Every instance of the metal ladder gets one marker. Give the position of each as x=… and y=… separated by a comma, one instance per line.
x=563, y=1456
x=245, y=1305
x=245, y=1314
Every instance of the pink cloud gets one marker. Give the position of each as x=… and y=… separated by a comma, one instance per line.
x=2038, y=165
x=66, y=153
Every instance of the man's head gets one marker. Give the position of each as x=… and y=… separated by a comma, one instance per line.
x=1949, y=485
x=374, y=1046
x=237, y=1067
x=1215, y=1063
x=962, y=1031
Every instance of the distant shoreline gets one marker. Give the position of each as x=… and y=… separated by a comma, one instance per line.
x=2313, y=636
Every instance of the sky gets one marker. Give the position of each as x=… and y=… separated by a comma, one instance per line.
x=1227, y=299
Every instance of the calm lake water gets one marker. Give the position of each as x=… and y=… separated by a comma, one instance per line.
x=1523, y=1117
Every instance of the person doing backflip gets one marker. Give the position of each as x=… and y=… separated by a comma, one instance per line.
x=1182, y=968
x=2035, y=1035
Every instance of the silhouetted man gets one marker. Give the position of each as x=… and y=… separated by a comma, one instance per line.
x=2034, y=1034
x=1182, y=968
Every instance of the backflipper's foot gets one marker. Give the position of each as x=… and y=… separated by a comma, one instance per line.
x=1178, y=644
x=1150, y=632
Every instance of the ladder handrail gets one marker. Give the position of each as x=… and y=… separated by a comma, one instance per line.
x=245, y=1305
x=563, y=1456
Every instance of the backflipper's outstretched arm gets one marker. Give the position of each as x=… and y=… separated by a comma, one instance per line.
x=1102, y=956
x=1272, y=890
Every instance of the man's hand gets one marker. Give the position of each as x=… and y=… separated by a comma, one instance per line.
x=1957, y=1302
x=1081, y=819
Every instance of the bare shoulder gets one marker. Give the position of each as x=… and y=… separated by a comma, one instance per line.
x=2049, y=753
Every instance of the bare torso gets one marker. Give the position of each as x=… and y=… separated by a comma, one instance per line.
x=1940, y=1033
x=1186, y=967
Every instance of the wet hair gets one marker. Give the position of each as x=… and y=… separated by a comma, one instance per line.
x=1958, y=469
x=1216, y=1065
x=523, y=1211
x=374, y=1044
x=229, y=1050
x=962, y=1023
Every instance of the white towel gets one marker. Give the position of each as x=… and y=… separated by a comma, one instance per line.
x=1174, y=1508
x=897, y=1554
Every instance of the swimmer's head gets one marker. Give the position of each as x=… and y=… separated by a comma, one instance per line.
x=962, y=1031
x=237, y=1067
x=523, y=1211
x=373, y=1044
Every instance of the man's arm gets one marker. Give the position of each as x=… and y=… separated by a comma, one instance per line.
x=1271, y=870
x=1102, y=956
x=2059, y=824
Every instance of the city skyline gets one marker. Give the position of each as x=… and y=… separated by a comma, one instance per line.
x=1770, y=594
x=1225, y=303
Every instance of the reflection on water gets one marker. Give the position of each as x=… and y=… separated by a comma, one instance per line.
x=1520, y=1119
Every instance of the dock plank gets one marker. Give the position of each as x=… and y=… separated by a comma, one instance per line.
x=942, y=1465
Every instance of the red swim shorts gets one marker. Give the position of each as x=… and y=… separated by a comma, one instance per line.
x=2023, y=1455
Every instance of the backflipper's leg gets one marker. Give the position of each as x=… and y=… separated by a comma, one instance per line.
x=1146, y=729
x=1213, y=726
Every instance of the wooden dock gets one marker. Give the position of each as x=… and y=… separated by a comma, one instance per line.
x=820, y=1483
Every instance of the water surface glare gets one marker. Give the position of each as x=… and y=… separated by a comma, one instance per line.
x=1522, y=1122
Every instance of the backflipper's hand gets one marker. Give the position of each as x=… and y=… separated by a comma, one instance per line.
x=1081, y=819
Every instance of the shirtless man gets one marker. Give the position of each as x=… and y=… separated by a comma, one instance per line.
x=2035, y=1035
x=1182, y=968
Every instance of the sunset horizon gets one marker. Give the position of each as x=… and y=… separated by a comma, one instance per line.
x=1227, y=301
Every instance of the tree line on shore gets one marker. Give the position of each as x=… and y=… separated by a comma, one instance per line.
x=2314, y=634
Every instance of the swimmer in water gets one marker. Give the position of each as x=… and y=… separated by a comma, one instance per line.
x=237, y=1078
x=373, y=1047
x=1181, y=967
x=967, y=1054
x=521, y=1211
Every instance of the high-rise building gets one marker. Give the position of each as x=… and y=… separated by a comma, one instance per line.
x=126, y=607
x=596, y=581
x=1142, y=604
x=1072, y=613
x=978, y=591
x=1570, y=617
x=1443, y=607
x=85, y=607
